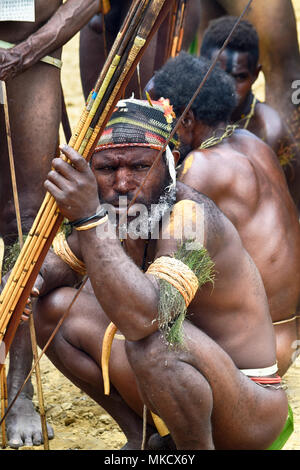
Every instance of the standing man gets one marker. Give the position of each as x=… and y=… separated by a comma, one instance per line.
x=241, y=174
x=30, y=62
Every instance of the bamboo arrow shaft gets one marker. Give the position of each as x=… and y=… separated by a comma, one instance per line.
x=14, y=296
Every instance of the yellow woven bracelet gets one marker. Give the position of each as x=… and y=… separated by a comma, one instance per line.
x=61, y=248
x=93, y=224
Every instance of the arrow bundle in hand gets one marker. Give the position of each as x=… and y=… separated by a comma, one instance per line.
x=141, y=22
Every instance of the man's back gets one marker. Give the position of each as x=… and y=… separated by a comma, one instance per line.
x=242, y=176
x=233, y=310
x=266, y=124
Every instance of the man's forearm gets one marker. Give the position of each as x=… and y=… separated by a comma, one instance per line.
x=125, y=293
x=62, y=26
x=55, y=273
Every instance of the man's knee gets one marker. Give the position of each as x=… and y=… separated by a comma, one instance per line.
x=150, y=354
x=47, y=312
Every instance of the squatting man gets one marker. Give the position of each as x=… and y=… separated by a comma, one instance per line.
x=198, y=343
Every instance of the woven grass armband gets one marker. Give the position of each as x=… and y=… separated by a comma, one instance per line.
x=61, y=248
x=179, y=277
x=178, y=274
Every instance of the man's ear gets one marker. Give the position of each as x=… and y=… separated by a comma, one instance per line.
x=176, y=156
x=188, y=121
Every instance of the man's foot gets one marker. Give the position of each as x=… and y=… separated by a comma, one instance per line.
x=23, y=424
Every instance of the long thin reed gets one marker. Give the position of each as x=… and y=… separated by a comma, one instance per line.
x=39, y=383
x=3, y=386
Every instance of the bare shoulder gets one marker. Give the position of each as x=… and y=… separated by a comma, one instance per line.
x=206, y=171
x=224, y=171
x=194, y=218
x=271, y=123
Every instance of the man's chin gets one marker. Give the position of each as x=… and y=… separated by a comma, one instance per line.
x=139, y=219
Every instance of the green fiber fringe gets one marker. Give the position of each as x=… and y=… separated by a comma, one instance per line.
x=66, y=228
x=172, y=309
x=11, y=255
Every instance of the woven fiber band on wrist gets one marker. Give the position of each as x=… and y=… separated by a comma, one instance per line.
x=99, y=215
x=93, y=224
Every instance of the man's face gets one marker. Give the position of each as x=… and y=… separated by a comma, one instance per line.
x=236, y=64
x=120, y=172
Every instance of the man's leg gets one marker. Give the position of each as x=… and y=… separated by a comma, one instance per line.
x=23, y=424
x=34, y=104
x=76, y=352
x=93, y=38
x=296, y=345
x=204, y=400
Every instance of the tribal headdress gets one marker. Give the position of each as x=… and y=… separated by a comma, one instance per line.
x=141, y=123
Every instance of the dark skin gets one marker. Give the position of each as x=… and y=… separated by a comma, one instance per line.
x=236, y=64
x=279, y=50
x=276, y=26
x=35, y=88
x=237, y=332
x=241, y=175
x=266, y=123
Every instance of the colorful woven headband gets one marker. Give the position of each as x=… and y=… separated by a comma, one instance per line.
x=137, y=122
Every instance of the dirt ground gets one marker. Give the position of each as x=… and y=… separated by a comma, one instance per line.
x=78, y=422
x=81, y=424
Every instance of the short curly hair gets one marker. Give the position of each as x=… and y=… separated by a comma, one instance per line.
x=244, y=38
x=180, y=77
